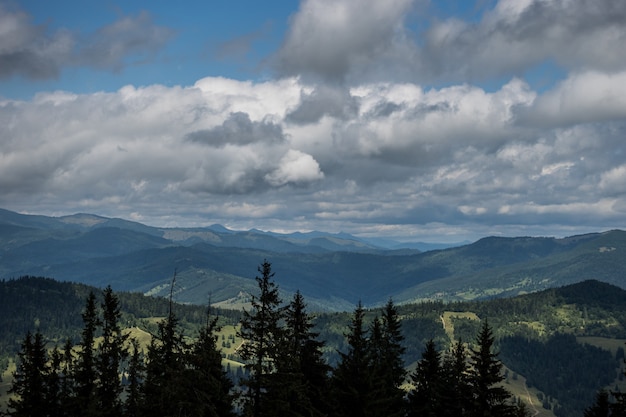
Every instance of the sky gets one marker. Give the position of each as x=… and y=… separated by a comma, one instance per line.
x=416, y=120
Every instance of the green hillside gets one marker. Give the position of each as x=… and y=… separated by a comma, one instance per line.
x=559, y=345
x=333, y=271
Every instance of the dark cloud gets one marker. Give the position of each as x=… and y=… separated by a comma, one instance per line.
x=29, y=50
x=32, y=51
x=328, y=38
x=134, y=38
x=353, y=42
x=342, y=144
x=238, y=130
x=384, y=109
x=325, y=100
x=515, y=36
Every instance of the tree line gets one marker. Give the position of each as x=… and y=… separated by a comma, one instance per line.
x=108, y=374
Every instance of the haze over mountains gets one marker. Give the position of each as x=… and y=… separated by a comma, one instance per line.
x=333, y=271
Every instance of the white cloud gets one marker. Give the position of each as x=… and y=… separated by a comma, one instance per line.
x=585, y=97
x=355, y=139
x=295, y=167
x=402, y=155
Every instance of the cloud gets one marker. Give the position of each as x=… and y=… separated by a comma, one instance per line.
x=133, y=38
x=323, y=101
x=295, y=167
x=584, y=97
x=352, y=41
x=353, y=137
x=400, y=156
x=34, y=52
x=27, y=49
x=517, y=35
x=239, y=130
x=327, y=38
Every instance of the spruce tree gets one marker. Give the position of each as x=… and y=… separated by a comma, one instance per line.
x=163, y=391
x=300, y=382
x=133, y=401
x=209, y=384
x=66, y=378
x=53, y=382
x=380, y=389
x=30, y=379
x=489, y=398
x=601, y=407
x=618, y=408
x=456, y=393
x=110, y=355
x=426, y=399
x=352, y=378
x=85, y=374
x=392, y=368
x=262, y=334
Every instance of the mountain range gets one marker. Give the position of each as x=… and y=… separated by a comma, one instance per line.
x=333, y=271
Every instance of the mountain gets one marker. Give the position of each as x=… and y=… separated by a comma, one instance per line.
x=334, y=271
x=559, y=346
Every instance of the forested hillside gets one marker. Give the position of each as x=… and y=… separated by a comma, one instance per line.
x=543, y=337
x=333, y=272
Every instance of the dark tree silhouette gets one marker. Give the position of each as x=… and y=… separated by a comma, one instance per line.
x=489, y=398
x=85, y=374
x=110, y=355
x=30, y=379
x=262, y=334
x=425, y=400
x=352, y=379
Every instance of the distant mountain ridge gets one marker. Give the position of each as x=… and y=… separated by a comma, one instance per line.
x=333, y=271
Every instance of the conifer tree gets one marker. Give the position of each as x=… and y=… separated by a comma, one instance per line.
x=53, y=383
x=489, y=398
x=30, y=378
x=163, y=391
x=110, y=355
x=300, y=382
x=425, y=399
x=391, y=366
x=132, y=404
x=380, y=388
x=209, y=384
x=601, y=407
x=262, y=334
x=66, y=375
x=456, y=390
x=85, y=374
x=352, y=379
x=618, y=408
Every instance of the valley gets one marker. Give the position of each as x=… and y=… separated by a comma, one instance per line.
x=333, y=271
x=551, y=302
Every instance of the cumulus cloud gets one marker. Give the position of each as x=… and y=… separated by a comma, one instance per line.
x=327, y=38
x=295, y=167
x=323, y=101
x=231, y=151
x=355, y=41
x=584, y=97
x=353, y=137
x=239, y=130
x=33, y=51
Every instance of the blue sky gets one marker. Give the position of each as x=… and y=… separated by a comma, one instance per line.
x=410, y=119
x=201, y=39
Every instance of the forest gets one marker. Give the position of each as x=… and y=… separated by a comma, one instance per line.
x=297, y=363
